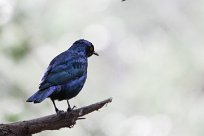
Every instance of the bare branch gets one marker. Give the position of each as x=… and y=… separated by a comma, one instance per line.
x=51, y=122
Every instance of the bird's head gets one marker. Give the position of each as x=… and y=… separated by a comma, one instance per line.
x=84, y=47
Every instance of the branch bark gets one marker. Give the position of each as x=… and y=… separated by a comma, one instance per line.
x=51, y=122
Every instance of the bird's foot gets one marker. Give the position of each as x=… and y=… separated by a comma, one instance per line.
x=59, y=111
x=74, y=107
x=70, y=109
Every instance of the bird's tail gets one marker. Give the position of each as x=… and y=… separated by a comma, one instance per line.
x=40, y=95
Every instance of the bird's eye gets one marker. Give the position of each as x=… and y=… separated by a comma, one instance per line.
x=91, y=49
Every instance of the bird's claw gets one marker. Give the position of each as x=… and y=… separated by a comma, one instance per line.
x=59, y=112
x=74, y=107
x=70, y=109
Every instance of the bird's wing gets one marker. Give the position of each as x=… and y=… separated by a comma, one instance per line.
x=64, y=68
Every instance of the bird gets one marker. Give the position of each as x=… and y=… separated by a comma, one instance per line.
x=65, y=75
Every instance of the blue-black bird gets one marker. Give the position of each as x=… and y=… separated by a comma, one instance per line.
x=65, y=75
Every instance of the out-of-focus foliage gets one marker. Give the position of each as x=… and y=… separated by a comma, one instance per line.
x=151, y=62
x=19, y=51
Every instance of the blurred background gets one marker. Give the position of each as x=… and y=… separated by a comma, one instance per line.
x=151, y=62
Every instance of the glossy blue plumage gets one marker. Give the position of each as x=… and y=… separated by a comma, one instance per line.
x=66, y=74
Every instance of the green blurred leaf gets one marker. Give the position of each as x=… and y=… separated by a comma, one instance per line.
x=19, y=51
x=12, y=117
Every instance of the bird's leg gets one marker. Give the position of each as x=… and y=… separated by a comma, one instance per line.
x=69, y=107
x=56, y=109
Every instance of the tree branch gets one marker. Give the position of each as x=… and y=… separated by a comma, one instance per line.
x=51, y=122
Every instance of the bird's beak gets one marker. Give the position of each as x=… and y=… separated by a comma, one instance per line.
x=95, y=53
